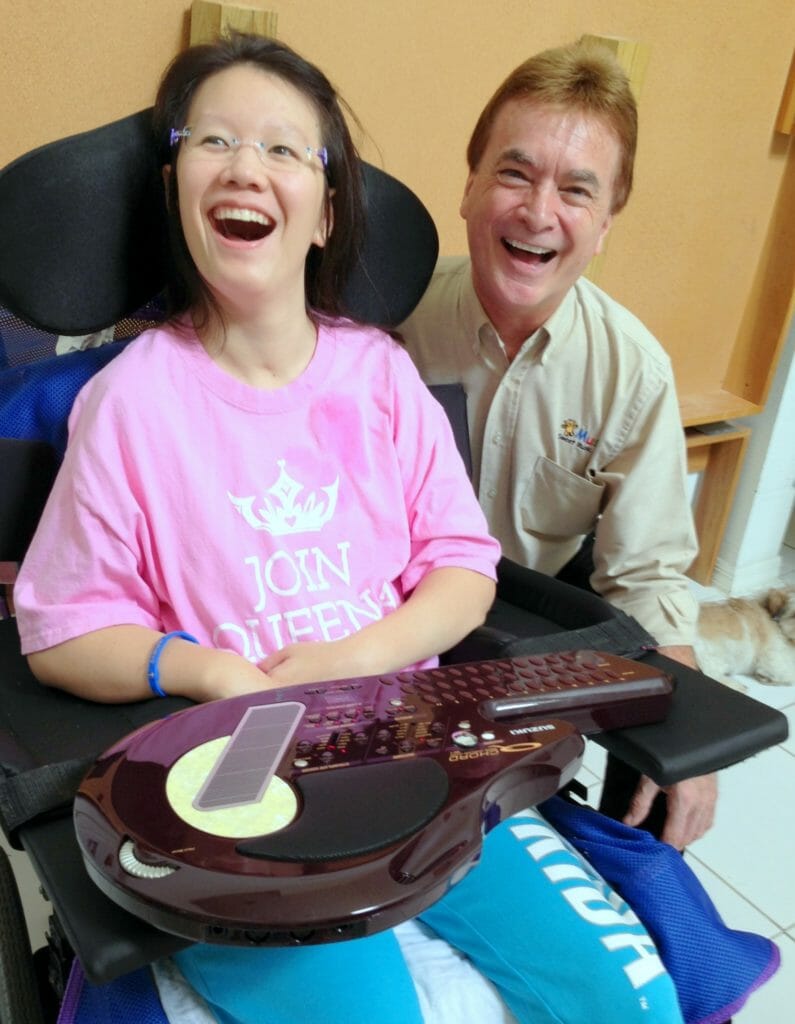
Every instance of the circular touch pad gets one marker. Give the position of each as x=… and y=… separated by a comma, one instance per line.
x=276, y=808
x=349, y=812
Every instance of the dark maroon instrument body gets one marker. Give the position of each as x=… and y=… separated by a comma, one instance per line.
x=383, y=788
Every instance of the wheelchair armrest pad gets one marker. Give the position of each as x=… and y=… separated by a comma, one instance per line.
x=567, y=606
x=486, y=643
x=709, y=727
x=48, y=738
x=108, y=941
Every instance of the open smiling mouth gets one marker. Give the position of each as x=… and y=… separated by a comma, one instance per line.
x=241, y=225
x=530, y=254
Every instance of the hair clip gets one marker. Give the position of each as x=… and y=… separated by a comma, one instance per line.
x=176, y=134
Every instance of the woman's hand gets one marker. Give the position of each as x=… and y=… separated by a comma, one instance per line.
x=310, y=663
x=445, y=606
x=111, y=665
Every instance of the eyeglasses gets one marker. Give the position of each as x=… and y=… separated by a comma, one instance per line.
x=279, y=153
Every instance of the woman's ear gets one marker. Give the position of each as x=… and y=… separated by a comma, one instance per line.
x=326, y=223
x=166, y=174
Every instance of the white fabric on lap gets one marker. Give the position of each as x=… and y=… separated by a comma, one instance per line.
x=181, y=1003
x=450, y=988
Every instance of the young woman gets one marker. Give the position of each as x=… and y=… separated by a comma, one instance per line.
x=255, y=473
x=261, y=492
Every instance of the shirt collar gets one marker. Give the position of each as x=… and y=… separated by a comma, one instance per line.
x=559, y=326
x=486, y=346
x=486, y=343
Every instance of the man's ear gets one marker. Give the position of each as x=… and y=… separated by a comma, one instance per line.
x=463, y=209
x=600, y=241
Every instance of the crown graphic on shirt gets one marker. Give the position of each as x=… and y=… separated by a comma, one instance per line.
x=284, y=514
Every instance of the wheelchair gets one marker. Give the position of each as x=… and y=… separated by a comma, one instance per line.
x=81, y=249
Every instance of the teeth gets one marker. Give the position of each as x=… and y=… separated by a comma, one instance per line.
x=235, y=213
x=535, y=250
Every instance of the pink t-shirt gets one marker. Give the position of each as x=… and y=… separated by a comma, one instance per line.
x=252, y=519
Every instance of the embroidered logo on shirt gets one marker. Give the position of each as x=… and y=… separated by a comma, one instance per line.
x=285, y=514
x=573, y=433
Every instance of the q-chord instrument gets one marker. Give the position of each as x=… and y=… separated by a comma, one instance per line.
x=330, y=811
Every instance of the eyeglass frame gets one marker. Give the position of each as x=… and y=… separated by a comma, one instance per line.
x=177, y=135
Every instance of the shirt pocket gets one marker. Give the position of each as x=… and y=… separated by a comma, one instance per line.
x=557, y=503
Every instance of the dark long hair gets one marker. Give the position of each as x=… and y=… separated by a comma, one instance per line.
x=327, y=268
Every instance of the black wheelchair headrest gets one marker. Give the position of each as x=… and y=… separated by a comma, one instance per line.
x=83, y=236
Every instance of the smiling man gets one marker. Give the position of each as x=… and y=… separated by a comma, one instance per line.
x=578, y=450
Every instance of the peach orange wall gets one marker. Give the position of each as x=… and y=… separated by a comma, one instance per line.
x=683, y=254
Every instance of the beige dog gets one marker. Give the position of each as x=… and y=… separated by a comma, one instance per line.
x=750, y=637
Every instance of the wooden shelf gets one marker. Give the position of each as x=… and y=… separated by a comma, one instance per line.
x=714, y=407
x=716, y=452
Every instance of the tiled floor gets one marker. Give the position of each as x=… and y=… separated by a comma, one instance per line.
x=745, y=862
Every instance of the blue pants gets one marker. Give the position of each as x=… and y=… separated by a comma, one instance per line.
x=533, y=917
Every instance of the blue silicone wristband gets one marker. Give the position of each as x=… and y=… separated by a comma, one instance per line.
x=153, y=671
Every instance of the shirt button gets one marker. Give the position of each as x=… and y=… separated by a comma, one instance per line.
x=492, y=493
x=497, y=439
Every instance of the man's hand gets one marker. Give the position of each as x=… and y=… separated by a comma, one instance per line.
x=691, y=808
x=691, y=804
x=682, y=654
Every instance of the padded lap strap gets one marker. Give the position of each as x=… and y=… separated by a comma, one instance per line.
x=622, y=636
x=39, y=791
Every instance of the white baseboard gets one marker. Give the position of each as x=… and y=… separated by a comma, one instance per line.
x=789, y=537
x=739, y=580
